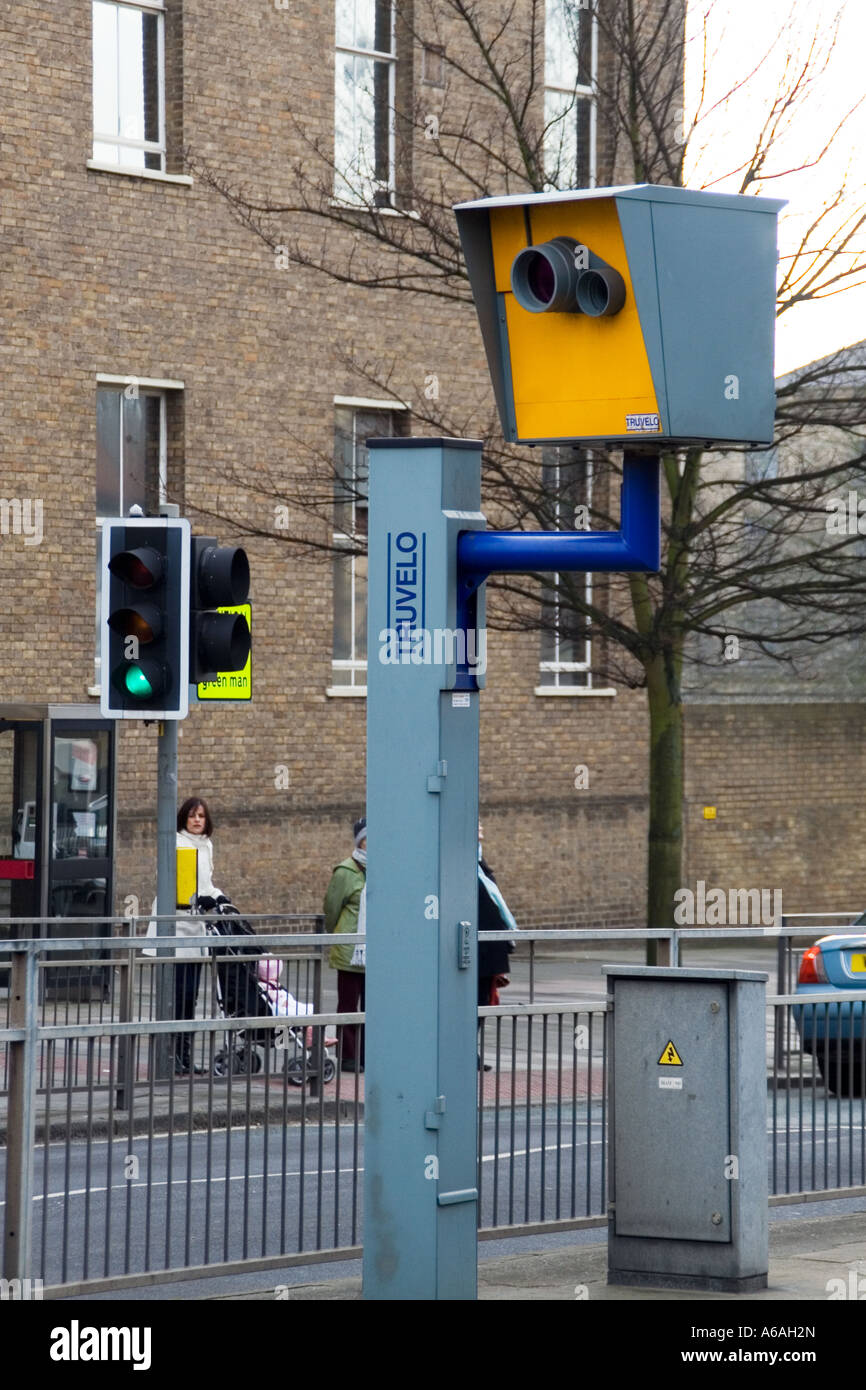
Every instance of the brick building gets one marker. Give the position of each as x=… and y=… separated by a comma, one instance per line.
x=156, y=348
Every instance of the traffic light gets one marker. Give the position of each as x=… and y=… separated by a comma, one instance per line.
x=628, y=316
x=144, y=637
x=219, y=578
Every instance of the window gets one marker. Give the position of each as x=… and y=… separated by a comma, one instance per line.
x=129, y=84
x=364, y=125
x=354, y=425
x=131, y=453
x=130, y=449
x=565, y=642
x=570, y=56
x=761, y=465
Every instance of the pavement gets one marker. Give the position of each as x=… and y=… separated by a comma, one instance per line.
x=820, y=1258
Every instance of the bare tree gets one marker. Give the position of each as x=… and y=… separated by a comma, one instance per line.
x=746, y=554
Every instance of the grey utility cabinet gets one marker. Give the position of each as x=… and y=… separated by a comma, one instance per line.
x=688, y=1174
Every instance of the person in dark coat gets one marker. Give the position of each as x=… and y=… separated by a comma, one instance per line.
x=493, y=915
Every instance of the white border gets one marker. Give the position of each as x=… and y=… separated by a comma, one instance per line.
x=367, y=403
x=163, y=383
x=157, y=174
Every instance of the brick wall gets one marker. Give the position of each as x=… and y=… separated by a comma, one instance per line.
x=786, y=781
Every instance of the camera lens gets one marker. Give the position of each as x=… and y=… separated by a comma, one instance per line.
x=600, y=292
x=540, y=278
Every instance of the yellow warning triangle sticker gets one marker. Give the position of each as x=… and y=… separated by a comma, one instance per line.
x=670, y=1057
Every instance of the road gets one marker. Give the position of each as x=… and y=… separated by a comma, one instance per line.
x=194, y=1199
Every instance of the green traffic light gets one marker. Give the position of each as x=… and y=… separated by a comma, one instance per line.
x=137, y=683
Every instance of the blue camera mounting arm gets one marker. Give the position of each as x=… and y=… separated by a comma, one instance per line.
x=635, y=547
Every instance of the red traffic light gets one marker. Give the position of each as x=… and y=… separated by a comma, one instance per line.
x=140, y=568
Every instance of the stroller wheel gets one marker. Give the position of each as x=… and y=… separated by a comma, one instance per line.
x=228, y=1063
x=252, y=1060
x=329, y=1071
x=296, y=1072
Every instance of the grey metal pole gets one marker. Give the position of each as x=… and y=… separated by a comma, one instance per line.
x=166, y=879
x=420, y=1146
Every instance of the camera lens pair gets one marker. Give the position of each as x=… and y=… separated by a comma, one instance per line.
x=547, y=279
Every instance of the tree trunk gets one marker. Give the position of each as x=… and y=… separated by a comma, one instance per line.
x=664, y=870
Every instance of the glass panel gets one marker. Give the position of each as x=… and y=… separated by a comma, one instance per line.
x=80, y=798
x=362, y=123
x=583, y=169
x=343, y=607
x=150, y=76
x=105, y=86
x=19, y=782
x=561, y=38
x=560, y=140
x=153, y=408
x=108, y=453
x=344, y=447
x=106, y=154
x=360, y=652
x=364, y=24
x=133, y=487
x=567, y=44
x=130, y=74
x=567, y=140
x=77, y=897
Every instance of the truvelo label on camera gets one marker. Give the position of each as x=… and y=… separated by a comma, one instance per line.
x=642, y=424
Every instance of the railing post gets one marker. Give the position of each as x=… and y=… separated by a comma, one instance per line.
x=782, y=972
x=21, y=1115
x=125, y=1046
x=318, y=1057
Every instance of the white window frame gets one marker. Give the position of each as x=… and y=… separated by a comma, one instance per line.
x=551, y=671
x=124, y=142
x=356, y=667
x=578, y=92
x=344, y=195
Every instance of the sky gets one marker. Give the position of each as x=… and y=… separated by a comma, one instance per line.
x=748, y=42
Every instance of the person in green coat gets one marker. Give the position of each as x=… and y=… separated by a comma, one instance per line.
x=342, y=906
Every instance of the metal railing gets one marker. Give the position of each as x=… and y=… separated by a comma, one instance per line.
x=118, y=1171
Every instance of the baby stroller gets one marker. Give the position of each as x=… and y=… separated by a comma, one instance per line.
x=248, y=987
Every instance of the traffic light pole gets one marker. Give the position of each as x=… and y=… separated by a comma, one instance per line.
x=166, y=881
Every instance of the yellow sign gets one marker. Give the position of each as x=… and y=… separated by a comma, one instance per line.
x=670, y=1057
x=231, y=685
x=187, y=875
x=709, y=813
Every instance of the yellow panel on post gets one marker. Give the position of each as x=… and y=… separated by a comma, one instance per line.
x=187, y=875
x=231, y=685
x=553, y=395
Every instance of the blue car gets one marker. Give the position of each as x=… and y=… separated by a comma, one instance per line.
x=834, y=1033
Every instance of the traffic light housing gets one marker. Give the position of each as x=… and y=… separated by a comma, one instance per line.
x=628, y=316
x=219, y=578
x=144, y=629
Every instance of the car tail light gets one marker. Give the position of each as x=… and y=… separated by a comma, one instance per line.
x=812, y=968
